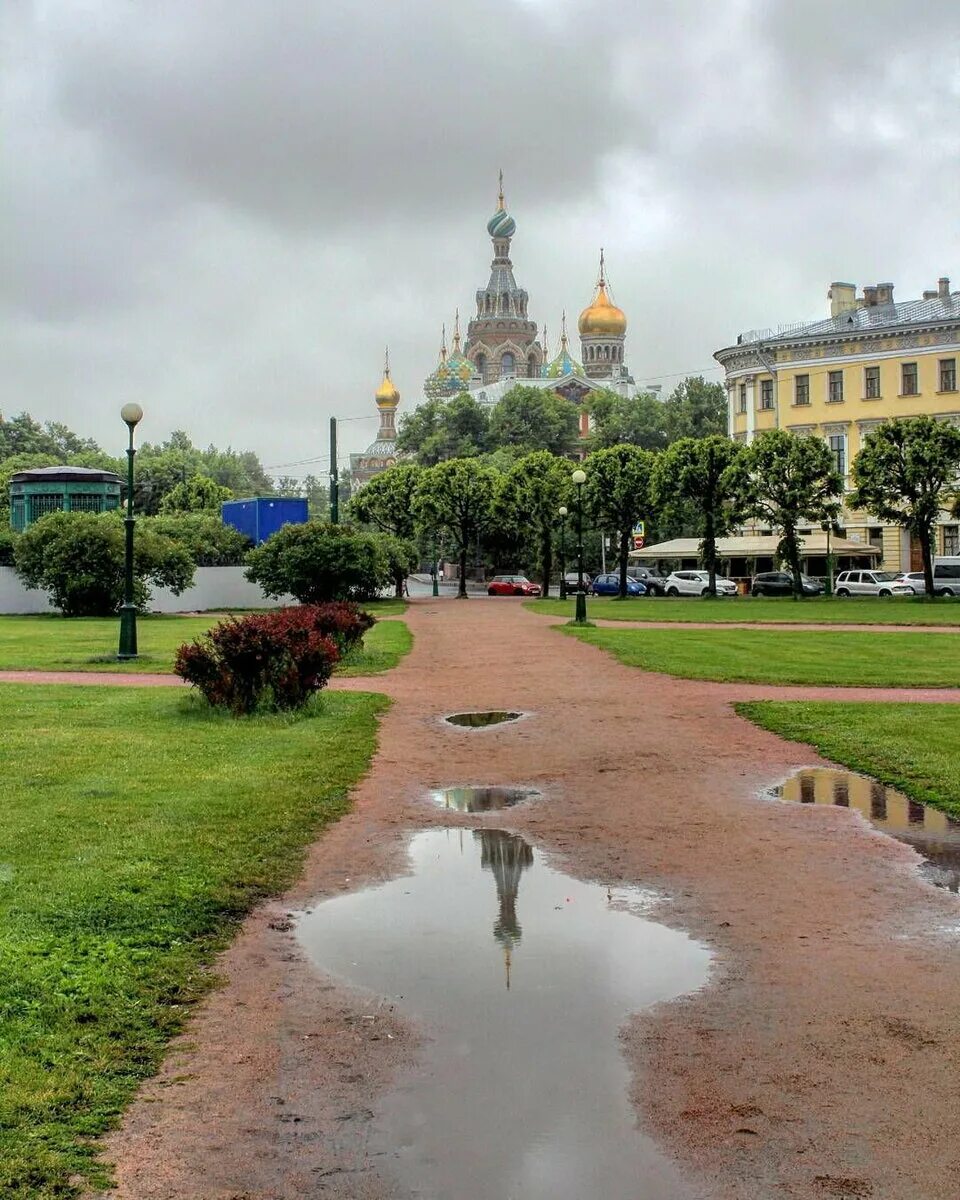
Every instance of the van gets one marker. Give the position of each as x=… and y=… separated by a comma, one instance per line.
x=946, y=575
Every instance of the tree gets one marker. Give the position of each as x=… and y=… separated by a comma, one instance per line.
x=457, y=497
x=785, y=479
x=528, y=499
x=23, y=435
x=79, y=559
x=620, y=420
x=439, y=430
x=695, y=409
x=695, y=473
x=197, y=494
x=386, y=501
x=402, y=558
x=203, y=535
x=618, y=494
x=907, y=471
x=316, y=562
x=532, y=418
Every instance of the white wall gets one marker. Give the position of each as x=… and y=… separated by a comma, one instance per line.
x=213, y=588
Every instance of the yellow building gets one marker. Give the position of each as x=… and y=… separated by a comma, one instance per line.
x=871, y=359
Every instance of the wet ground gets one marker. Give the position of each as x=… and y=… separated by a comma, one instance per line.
x=481, y=720
x=481, y=799
x=934, y=835
x=522, y=977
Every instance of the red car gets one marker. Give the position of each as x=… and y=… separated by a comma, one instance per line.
x=512, y=585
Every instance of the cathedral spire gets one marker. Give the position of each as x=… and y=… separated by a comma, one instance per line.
x=601, y=279
x=563, y=331
x=443, y=343
x=500, y=204
x=456, y=332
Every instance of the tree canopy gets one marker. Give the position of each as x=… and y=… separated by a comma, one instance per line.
x=528, y=500
x=907, y=471
x=618, y=420
x=386, y=501
x=456, y=498
x=618, y=493
x=532, y=418
x=200, y=493
x=442, y=429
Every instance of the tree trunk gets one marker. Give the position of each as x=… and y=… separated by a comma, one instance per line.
x=462, y=589
x=926, y=550
x=710, y=552
x=398, y=579
x=546, y=558
x=624, y=551
x=793, y=554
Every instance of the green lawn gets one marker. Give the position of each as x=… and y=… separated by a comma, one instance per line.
x=137, y=828
x=830, y=657
x=54, y=643
x=913, y=747
x=383, y=647
x=851, y=610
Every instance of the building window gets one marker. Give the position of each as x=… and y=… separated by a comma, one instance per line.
x=838, y=448
x=871, y=383
x=835, y=386
x=508, y=365
x=948, y=374
x=766, y=393
x=801, y=393
x=908, y=379
x=951, y=539
x=743, y=398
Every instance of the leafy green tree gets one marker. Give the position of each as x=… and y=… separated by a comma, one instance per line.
x=907, y=471
x=695, y=474
x=316, y=562
x=528, y=499
x=24, y=435
x=203, y=535
x=695, y=409
x=787, y=479
x=439, y=430
x=198, y=494
x=402, y=558
x=386, y=501
x=532, y=418
x=620, y=420
x=456, y=498
x=618, y=493
x=79, y=559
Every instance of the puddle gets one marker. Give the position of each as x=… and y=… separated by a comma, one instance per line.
x=932, y=833
x=479, y=720
x=482, y=799
x=522, y=978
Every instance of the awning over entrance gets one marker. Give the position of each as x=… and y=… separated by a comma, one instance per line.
x=757, y=546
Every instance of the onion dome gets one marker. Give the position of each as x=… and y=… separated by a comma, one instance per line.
x=602, y=316
x=386, y=394
x=564, y=363
x=459, y=368
x=501, y=224
x=437, y=383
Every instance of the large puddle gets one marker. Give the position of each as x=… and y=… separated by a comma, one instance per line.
x=481, y=799
x=522, y=977
x=480, y=720
x=934, y=835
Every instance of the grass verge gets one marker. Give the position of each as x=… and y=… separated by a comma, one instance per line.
x=54, y=643
x=830, y=658
x=912, y=747
x=138, y=828
x=850, y=610
x=383, y=647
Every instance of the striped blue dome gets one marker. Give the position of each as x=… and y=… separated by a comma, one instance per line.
x=501, y=224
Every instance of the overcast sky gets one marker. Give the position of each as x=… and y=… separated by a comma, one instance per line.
x=225, y=208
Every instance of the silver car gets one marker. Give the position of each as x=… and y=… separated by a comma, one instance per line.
x=915, y=581
x=870, y=583
x=696, y=583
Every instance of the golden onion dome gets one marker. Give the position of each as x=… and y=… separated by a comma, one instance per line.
x=603, y=316
x=386, y=394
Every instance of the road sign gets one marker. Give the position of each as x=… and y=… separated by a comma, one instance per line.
x=638, y=541
x=639, y=529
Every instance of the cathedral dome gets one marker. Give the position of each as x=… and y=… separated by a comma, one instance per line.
x=501, y=224
x=602, y=316
x=386, y=394
x=564, y=363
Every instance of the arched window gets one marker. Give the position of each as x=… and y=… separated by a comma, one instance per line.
x=532, y=366
x=606, y=352
x=481, y=364
x=508, y=365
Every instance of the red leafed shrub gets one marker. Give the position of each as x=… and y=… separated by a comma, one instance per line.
x=269, y=660
x=340, y=620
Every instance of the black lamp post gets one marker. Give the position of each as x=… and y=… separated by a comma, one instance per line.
x=579, y=478
x=132, y=414
x=563, y=551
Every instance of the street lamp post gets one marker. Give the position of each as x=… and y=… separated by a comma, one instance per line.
x=132, y=414
x=436, y=570
x=579, y=478
x=563, y=551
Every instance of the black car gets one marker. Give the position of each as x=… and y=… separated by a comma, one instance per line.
x=654, y=583
x=780, y=583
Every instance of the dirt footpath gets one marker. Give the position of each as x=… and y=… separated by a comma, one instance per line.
x=822, y=1060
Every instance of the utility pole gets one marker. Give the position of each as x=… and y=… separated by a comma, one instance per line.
x=334, y=481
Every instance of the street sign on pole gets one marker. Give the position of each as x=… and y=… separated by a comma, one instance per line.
x=638, y=541
x=640, y=529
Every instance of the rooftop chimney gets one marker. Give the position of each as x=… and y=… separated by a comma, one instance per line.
x=928, y=295
x=884, y=293
x=870, y=296
x=943, y=287
x=842, y=296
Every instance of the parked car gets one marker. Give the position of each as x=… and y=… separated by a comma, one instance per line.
x=653, y=582
x=946, y=580
x=571, y=579
x=914, y=580
x=780, y=583
x=512, y=585
x=609, y=585
x=870, y=583
x=697, y=583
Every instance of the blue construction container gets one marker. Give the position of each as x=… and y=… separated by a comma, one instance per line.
x=261, y=516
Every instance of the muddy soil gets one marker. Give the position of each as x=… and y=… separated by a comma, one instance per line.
x=821, y=1060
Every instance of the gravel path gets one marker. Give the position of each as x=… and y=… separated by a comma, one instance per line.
x=822, y=1059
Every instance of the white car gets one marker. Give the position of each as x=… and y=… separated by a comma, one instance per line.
x=914, y=581
x=870, y=583
x=696, y=583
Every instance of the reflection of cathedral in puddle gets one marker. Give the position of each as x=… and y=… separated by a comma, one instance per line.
x=507, y=855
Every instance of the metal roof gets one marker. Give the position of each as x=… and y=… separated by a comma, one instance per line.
x=65, y=475
x=855, y=320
